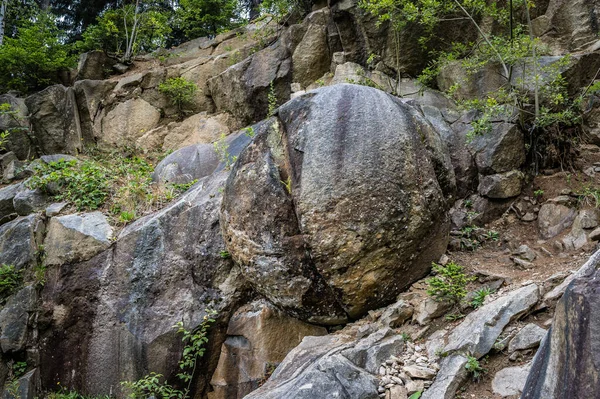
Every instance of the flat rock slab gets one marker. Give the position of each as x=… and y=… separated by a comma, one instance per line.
x=510, y=381
x=529, y=337
x=333, y=366
x=478, y=332
x=75, y=238
x=451, y=375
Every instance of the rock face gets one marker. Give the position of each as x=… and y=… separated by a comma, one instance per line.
x=19, y=141
x=567, y=364
x=312, y=56
x=501, y=150
x=75, y=238
x=19, y=241
x=242, y=89
x=196, y=161
x=554, y=218
x=14, y=319
x=333, y=366
x=258, y=339
x=54, y=118
x=128, y=121
x=317, y=181
x=107, y=318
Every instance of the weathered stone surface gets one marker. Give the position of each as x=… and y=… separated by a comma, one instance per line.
x=357, y=229
x=242, y=90
x=29, y=385
x=478, y=332
x=30, y=201
x=76, y=238
x=331, y=366
x=19, y=241
x=569, y=25
x=510, y=381
x=451, y=375
x=470, y=85
x=502, y=185
x=127, y=122
x=528, y=337
x=113, y=315
x=196, y=161
x=94, y=65
x=91, y=95
x=554, y=218
x=396, y=314
x=7, y=196
x=312, y=57
x=55, y=209
x=589, y=218
x=595, y=235
x=54, y=119
x=566, y=365
x=454, y=136
x=197, y=129
x=14, y=318
x=499, y=151
x=258, y=339
x=19, y=140
x=577, y=237
x=430, y=309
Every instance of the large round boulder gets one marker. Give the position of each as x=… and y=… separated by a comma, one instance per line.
x=339, y=204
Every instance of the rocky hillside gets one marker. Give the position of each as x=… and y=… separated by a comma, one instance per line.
x=291, y=214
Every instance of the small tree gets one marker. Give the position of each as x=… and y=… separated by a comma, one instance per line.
x=179, y=90
x=34, y=57
x=128, y=30
x=199, y=18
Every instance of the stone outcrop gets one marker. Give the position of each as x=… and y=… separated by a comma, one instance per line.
x=54, y=119
x=111, y=318
x=76, y=238
x=258, y=338
x=566, y=365
x=20, y=241
x=321, y=170
x=127, y=122
x=331, y=366
x=19, y=141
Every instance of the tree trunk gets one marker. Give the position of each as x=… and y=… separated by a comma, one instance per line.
x=2, y=20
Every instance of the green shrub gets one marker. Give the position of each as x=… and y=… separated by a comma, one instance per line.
x=449, y=284
x=121, y=184
x=153, y=384
x=85, y=184
x=180, y=91
x=10, y=279
x=33, y=59
x=479, y=297
x=474, y=368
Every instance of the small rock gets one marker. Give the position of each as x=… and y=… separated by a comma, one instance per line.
x=414, y=386
x=588, y=218
x=554, y=218
x=398, y=392
x=529, y=217
x=529, y=337
x=523, y=264
x=55, y=209
x=595, y=235
x=526, y=253
x=430, y=309
x=444, y=259
x=510, y=381
x=422, y=373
